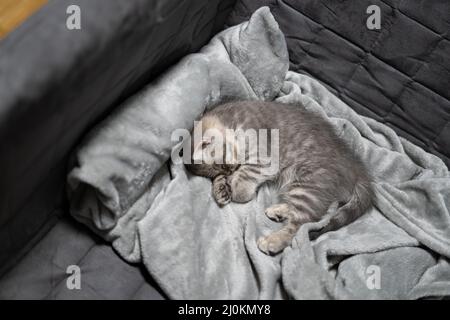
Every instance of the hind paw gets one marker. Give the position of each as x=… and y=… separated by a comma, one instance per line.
x=277, y=212
x=273, y=243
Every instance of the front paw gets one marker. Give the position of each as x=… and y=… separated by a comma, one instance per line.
x=221, y=191
x=242, y=191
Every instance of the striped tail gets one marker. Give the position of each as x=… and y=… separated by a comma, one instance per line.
x=359, y=203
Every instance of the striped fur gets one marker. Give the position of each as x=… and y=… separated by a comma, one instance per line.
x=316, y=169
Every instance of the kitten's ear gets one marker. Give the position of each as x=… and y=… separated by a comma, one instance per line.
x=197, y=155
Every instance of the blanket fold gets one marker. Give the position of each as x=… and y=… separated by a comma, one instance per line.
x=162, y=216
x=110, y=187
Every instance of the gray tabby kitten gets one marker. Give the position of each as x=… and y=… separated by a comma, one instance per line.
x=316, y=168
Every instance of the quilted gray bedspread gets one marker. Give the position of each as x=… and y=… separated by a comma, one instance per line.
x=398, y=74
x=157, y=214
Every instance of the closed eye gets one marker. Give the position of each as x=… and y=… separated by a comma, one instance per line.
x=205, y=143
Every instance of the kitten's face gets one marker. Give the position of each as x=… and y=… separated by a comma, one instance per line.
x=207, y=160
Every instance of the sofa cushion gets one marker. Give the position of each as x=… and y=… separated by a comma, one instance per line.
x=56, y=83
x=43, y=273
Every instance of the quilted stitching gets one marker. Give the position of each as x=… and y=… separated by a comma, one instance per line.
x=398, y=75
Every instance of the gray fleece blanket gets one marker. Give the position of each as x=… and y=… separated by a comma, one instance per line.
x=125, y=188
